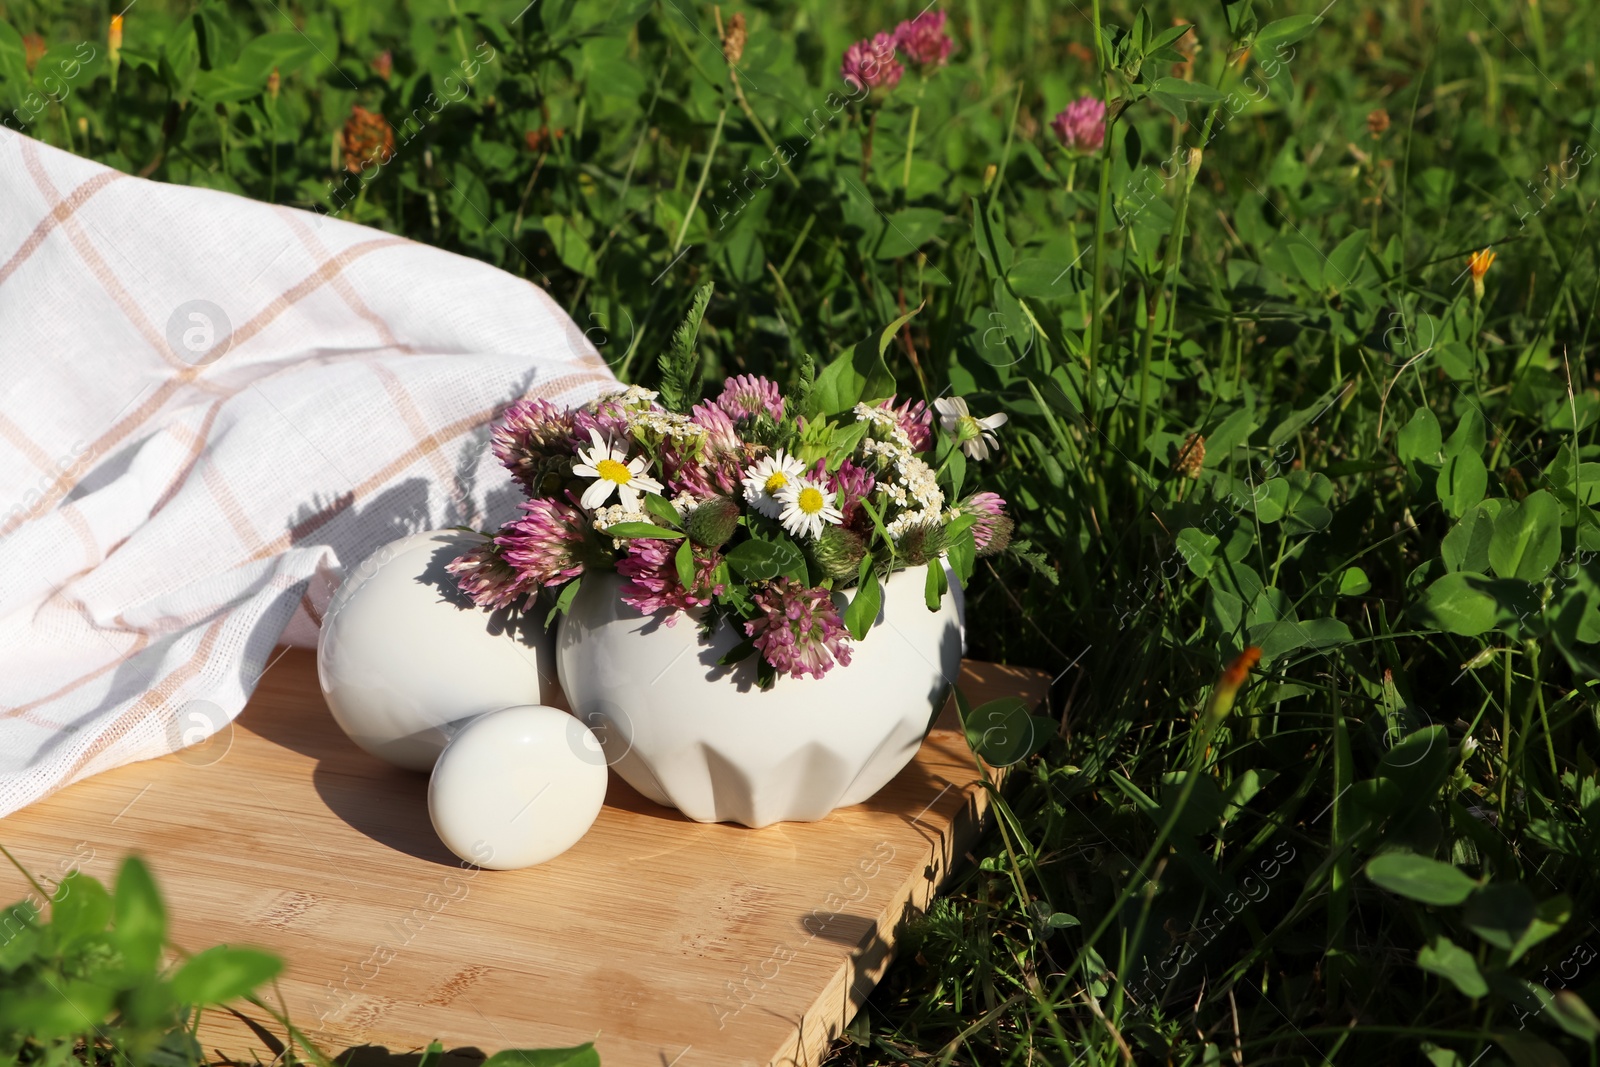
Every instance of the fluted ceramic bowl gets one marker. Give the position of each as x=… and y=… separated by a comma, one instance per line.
x=708, y=741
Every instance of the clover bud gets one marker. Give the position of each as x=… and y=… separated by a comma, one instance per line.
x=922, y=544
x=713, y=521
x=840, y=551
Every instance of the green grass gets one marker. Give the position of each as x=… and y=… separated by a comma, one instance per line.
x=1396, y=498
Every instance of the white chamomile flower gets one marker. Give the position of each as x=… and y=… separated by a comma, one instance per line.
x=976, y=435
x=611, y=469
x=807, y=507
x=764, y=480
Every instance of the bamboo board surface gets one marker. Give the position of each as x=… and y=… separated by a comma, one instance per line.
x=668, y=943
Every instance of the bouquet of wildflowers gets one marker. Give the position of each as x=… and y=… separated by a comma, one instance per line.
x=751, y=507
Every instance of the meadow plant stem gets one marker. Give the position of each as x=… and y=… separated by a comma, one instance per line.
x=911, y=144
x=1102, y=211
x=461, y=40
x=866, y=144
x=744, y=105
x=1169, y=267
x=794, y=249
x=700, y=186
x=1202, y=741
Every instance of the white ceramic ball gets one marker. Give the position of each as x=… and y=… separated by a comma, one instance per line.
x=517, y=787
x=403, y=654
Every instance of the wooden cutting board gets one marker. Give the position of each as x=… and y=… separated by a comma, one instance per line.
x=666, y=942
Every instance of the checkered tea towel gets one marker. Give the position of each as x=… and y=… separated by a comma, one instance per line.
x=207, y=405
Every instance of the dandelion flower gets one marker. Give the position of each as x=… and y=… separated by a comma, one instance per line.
x=1228, y=684
x=769, y=477
x=808, y=506
x=976, y=435
x=612, y=471
x=1479, y=263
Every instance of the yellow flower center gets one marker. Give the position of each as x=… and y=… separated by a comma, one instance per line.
x=612, y=471
x=777, y=480
x=810, y=500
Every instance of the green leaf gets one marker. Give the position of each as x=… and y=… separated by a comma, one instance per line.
x=627, y=531
x=962, y=551
x=1344, y=262
x=1171, y=105
x=1353, y=582
x=1270, y=499
x=1187, y=91
x=682, y=371
x=857, y=375
x=141, y=920
x=569, y=592
x=1459, y=604
x=579, y=1056
x=1449, y=960
x=864, y=606
x=79, y=907
x=760, y=560
x=1500, y=913
x=1044, y=279
x=1003, y=732
x=1418, y=764
x=663, y=510
x=1285, y=31
x=1527, y=537
x=1468, y=435
x=933, y=589
x=1198, y=549
x=1466, y=546
x=908, y=230
x=55, y=1011
x=1309, y=262
x=1420, y=878
x=989, y=232
x=1504, y=913
x=1574, y=1016
x=1234, y=430
x=1204, y=809
x=572, y=248
x=223, y=973
x=1462, y=481
x=23, y=937
x=1526, y=1050
x=1419, y=440
x=886, y=383
x=1306, y=507
x=683, y=560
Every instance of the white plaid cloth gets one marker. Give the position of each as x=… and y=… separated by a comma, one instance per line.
x=207, y=405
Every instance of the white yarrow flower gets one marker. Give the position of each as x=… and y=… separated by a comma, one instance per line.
x=807, y=507
x=765, y=479
x=612, y=471
x=976, y=435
